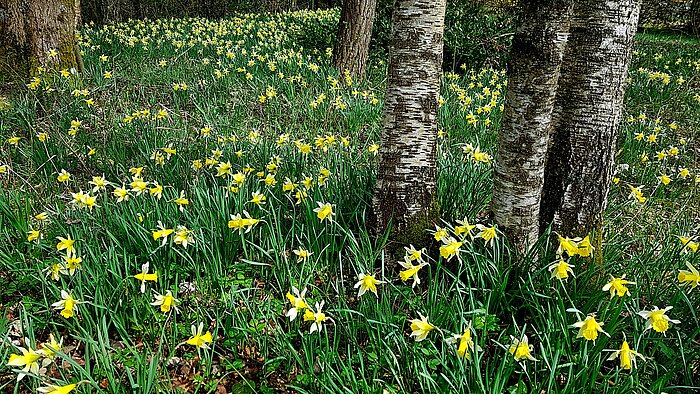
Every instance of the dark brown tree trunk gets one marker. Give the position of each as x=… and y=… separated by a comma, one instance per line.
x=354, y=33
x=533, y=75
x=695, y=17
x=587, y=115
x=31, y=29
x=406, y=184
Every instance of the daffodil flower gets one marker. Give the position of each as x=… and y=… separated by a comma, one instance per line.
x=410, y=271
x=199, y=340
x=162, y=233
x=183, y=236
x=238, y=222
x=589, y=328
x=450, y=248
x=67, y=304
x=412, y=254
x=488, y=234
x=302, y=254
x=49, y=349
x=521, y=349
x=689, y=244
x=297, y=301
x=317, y=318
x=66, y=244
x=561, y=270
x=144, y=276
x=28, y=361
x=465, y=342
x=690, y=278
x=420, y=328
x=628, y=357
x=166, y=302
x=53, y=389
x=324, y=211
x=657, y=319
x=617, y=285
x=367, y=282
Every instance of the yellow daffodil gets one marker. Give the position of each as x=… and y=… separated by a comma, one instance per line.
x=689, y=244
x=183, y=236
x=99, y=183
x=297, y=301
x=420, y=328
x=166, y=302
x=121, y=194
x=324, y=211
x=488, y=234
x=67, y=304
x=144, y=276
x=657, y=319
x=53, y=389
x=258, y=198
x=689, y=278
x=450, y=248
x=181, y=201
x=413, y=254
x=367, y=282
x=628, y=357
x=561, y=270
x=589, y=328
x=63, y=176
x=439, y=233
x=465, y=342
x=316, y=318
x=161, y=233
x=302, y=254
x=410, y=271
x=66, y=244
x=199, y=340
x=618, y=285
x=72, y=263
x=28, y=361
x=521, y=349
x=33, y=235
x=239, y=222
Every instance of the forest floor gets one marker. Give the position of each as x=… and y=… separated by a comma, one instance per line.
x=165, y=215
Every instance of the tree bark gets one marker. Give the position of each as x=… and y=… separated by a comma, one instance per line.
x=354, y=33
x=587, y=114
x=31, y=29
x=533, y=75
x=406, y=176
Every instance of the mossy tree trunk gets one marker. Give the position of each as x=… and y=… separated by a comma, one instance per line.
x=586, y=116
x=354, y=33
x=533, y=76
x=405, y=191
x=31, y=30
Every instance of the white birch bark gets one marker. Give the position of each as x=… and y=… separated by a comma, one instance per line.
x=587, y=114
x=406, y=184
x=533, y=75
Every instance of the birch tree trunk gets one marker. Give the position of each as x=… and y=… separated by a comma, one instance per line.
x=406, y=184
x=31, y=29
x=533, y=75
x=587, y=114
x=354, y=33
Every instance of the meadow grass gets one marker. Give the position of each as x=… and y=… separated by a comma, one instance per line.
x=185, y=98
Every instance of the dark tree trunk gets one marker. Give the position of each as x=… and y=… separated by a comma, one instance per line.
x=533, y=75
x=406, y=184
x=31, y=29
x=354, y=33
x=587, y=115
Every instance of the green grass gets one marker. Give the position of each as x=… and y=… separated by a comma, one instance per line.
x=234, y=282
